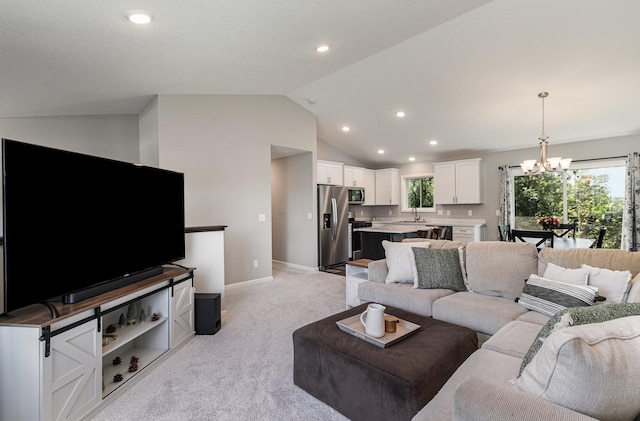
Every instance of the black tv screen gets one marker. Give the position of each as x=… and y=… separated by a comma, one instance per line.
x=73, y=222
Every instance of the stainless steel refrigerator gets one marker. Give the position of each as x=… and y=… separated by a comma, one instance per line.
x=333, y=229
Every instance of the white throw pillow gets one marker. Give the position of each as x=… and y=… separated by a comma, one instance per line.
x=570, y=276
x=591, y=368
x=612, y=284
x=400, y=261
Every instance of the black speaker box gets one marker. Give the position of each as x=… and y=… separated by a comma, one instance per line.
x=207, y=309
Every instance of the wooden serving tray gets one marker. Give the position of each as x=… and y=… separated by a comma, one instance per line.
x=352, y=326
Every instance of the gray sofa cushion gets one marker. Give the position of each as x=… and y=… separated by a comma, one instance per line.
x=494, y=367
x=602, y=258
x=534, y=317
x=499, y=268
x=513, y=339
x=481, y=313
x=418, y=301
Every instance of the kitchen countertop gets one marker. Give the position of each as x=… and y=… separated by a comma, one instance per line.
x=390, y=229
x=432, y=222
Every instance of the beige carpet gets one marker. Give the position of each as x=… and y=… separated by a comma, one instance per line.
x=245, y=371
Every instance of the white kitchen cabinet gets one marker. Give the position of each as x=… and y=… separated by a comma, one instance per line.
x=329, y=172
x=475, y=233
x=369, y=185
x=388, y=186
x=457, y=182
x=353, y=176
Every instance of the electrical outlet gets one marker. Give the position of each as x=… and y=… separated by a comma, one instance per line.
x=361, y=212
x=255, y=263
x=262, y=217
x=469, y=212
x=390, y=213
x=448, y=212
x=309, y=215
x=439, y=212
x=497, y=212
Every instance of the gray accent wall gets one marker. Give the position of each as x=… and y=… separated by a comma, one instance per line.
x=223, y=145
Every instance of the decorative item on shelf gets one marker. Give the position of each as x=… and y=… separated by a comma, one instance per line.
x=133, y=367
x=155, y=317
x=116, y=361
x=531, y=166
x=117, y=378
x=134, y=360
x=548, y=223
x=143, y=316
x=111, y=328
x=131, y=314
x=121, y=320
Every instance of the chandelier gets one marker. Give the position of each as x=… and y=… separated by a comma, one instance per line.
x=531, y=166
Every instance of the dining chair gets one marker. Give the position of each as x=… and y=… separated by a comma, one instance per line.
x=598, y=243
x=543, y=238
x=439, y=233
x=568, y=229
x=504, y=231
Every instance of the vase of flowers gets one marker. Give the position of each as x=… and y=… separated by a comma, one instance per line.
x=548, y=223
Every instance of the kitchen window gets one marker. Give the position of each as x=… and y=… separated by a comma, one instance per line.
x=417, y=192
x=591, y=194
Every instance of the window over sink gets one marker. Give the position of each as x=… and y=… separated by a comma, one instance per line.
x=417, y=192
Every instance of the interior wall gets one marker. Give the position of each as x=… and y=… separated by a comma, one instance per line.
x=291, y=178
x=223, y=145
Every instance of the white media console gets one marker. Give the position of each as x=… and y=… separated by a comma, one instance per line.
x=65, y=368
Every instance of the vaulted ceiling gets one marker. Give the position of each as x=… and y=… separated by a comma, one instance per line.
x=466, y=73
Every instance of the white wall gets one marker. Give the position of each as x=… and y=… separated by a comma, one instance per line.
x=223, y=145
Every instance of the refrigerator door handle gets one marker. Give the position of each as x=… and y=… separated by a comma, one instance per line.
x=334, y=216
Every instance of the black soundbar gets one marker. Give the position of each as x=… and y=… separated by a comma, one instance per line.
x=83, y=294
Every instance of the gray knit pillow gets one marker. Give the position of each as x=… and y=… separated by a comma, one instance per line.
x=574, y=316
x=438, y=269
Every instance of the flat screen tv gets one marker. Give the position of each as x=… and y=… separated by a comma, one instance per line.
x=77, y=225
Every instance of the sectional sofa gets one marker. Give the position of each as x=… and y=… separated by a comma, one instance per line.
x=533, y=363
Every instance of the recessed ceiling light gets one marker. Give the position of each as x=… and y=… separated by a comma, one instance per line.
x=322, y=48
x=346, y=128
x=412, y=158
x=139, y=16
x=433, y=142
x=400, y=114
x=380, y=151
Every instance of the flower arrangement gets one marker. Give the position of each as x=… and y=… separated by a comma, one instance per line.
x=548, y=222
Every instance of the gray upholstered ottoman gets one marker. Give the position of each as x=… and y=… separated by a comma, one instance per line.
x=365, y=382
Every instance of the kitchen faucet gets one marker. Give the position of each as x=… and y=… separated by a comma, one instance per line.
x=414, y=212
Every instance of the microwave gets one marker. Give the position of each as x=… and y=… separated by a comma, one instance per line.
x=356, y=195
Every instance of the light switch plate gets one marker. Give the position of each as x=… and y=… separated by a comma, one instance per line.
x=262, y=217
x=448, y=212
x=440, y=212
x=469, y=212
x=309, y=215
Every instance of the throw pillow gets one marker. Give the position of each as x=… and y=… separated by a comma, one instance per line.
x=400, y=261
x=578, y=316
x=548, y=297
x=592, y=369
x=570, y=276
x=612, y=284
x=438, y=269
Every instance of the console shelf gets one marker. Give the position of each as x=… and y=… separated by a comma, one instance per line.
x=58, y=369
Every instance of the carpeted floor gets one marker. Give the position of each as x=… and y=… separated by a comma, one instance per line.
x=245, y=371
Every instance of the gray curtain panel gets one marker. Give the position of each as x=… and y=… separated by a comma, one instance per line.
x=631, y=215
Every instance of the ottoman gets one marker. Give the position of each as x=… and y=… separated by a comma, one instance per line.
x=365, y=382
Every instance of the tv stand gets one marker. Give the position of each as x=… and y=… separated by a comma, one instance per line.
x=66, y=368
x=86, y=293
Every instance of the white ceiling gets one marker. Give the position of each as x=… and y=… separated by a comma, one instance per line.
x=467, y=73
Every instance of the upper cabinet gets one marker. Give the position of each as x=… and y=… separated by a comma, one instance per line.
x=369, y=187
x=329, y=172
x=353, y=176
x=457, y=182
x=387, y=187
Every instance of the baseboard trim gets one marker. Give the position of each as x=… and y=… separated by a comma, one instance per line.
x=249, y=282
x=294, y=266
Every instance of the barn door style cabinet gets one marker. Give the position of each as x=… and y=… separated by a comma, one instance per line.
x=62, y=369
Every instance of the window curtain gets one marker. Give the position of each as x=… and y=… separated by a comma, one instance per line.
x=506, y=196
x=631, y=215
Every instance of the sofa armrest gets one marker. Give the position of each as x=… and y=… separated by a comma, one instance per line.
x=378, y=270
x=476, y=400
